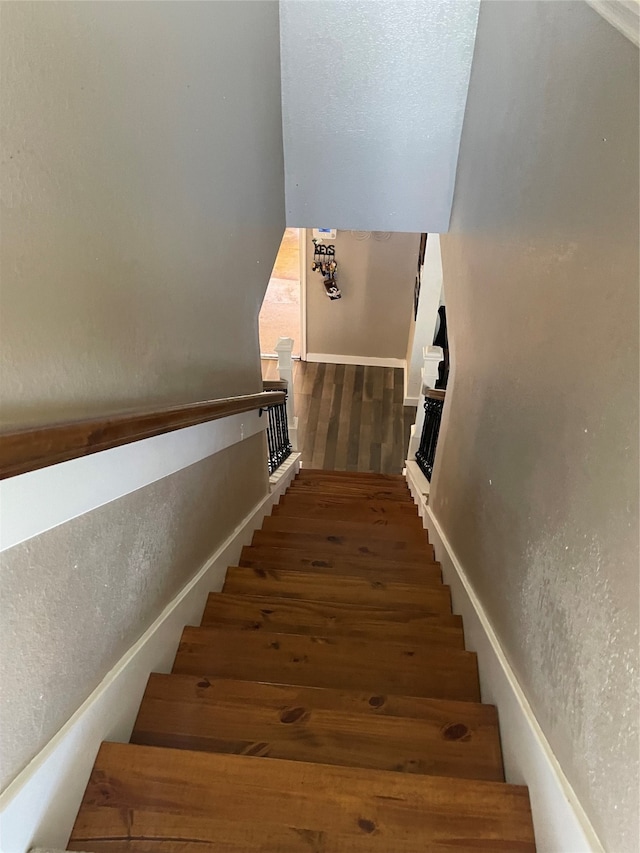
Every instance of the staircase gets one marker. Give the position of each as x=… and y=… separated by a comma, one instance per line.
x=326, y=703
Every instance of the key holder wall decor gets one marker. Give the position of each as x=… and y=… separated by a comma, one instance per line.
x=324, y=262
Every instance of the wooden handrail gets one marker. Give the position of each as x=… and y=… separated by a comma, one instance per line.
x=31, y=448
x=274, y=385
x=435, y=394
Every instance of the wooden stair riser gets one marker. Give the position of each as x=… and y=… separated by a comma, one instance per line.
x=337, y=662
x=292, y=616
x=264, y=557
x=318, y=544
x=375, y=528
x=456, y=740
x=433, y=598
x=240, y=804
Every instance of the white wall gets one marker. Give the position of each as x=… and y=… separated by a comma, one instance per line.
x=376, y=275
x=373, y=101
x=536, y=479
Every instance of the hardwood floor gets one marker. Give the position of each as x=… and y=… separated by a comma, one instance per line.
x=350, y=417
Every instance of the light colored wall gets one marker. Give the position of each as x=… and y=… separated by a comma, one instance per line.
x=376, y=276
x=74, y=599
x=373, y=101
x=143, y=201
x=536, y=483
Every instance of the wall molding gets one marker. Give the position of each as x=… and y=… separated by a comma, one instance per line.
x=84, y=484
x=560, y=822
x=411, y=401
x=39, y=807
x=624, y=15
x=367, y=361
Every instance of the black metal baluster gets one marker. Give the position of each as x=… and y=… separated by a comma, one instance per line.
x=426, y=453
x=278, y=443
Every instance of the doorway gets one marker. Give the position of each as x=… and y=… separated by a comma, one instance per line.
x=281, y=312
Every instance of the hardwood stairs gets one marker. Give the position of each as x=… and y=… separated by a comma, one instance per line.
x=325, y=704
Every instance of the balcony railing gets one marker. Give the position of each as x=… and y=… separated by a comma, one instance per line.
x=278, y=443
x=426, y=453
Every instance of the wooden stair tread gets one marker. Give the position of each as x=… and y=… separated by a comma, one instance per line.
x=298, y=616
x=179, y=800
x=397, y=550
x=348, y=480
x=264, y=556
x=337, y=662
x=457, y=739
x=431, y=597
x=359, y=476
x=372, y=514
x=395, y=509
x=380, y=527
x=279, y=695
x=327, y=490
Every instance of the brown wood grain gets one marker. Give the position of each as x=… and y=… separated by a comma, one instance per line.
x=379, y=528
x=366, y=492
x=430, y=597
x=143, y=798
x=362, y=511
x=249, y=612
x=456, y=739
x=36, y=447
x=264, y=557
x=350, y=476
x=340, y=662
x=394, y=550
x=353, y=482
x=280, y=696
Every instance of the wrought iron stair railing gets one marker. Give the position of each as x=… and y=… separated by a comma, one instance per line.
x=278, y=442
x=426, y=452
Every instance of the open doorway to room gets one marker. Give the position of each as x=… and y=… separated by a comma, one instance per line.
x=281, y=312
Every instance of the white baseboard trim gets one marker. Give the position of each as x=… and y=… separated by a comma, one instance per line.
x=560, y=822
x=418, y=484
x=367, y=361
x=84, y=484
x=411, y=401
x=40, y=805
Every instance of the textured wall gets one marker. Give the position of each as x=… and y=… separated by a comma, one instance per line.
x=376, y=276
x=74, y=600
x=537, y=480
x=373, y=101
x=143, y=206
x=143, y=201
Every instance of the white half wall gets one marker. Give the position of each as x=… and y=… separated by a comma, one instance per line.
x=373, y=98
x=424, y=328
x=84, y=484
